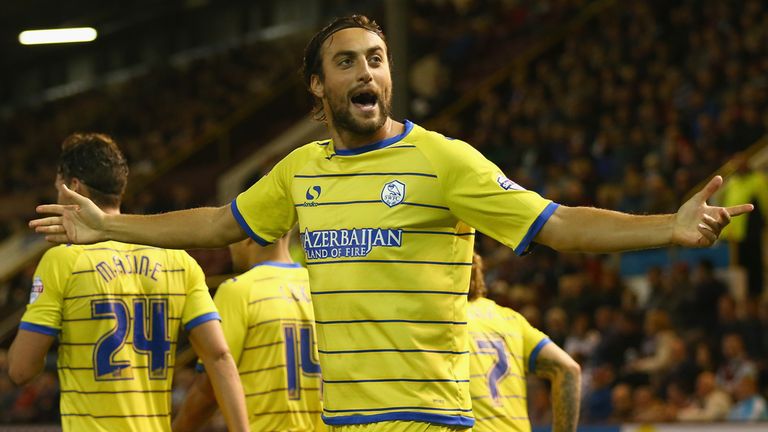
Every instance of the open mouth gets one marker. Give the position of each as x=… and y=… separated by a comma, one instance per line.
x=366, y=101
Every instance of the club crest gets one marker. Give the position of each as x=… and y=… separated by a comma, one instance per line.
x=393, y=193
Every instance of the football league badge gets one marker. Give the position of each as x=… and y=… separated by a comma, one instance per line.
x=393, y=193
x=506, y=183
x=37, y=289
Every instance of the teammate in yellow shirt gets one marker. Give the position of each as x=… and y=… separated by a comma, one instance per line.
x=387, y=212
x=116, y=309
x=505, y=349
x=269, y=326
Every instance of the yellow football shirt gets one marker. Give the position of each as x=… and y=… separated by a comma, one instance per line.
x=387, y=232
x=116, y=309
x=268, y=322
x=504, y=347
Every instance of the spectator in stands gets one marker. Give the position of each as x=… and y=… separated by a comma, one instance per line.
x=664, y=294
x=611, y=290
x=633, y=191
x=710, y=402
x=654, y=277
x=646, y=407
x=621, y=342
x=556, y=325
x=686, y=313
x=708, y=289
x=657, y=346
x=573, y=297
x=622, y=403
x=581, y=340
x=736, y=363
x=683, y=369
x=752, y=329
x=604, y=321
x=598, y=381
x=750, y=405
x=727, y=318
x=677, y=399
x=704, y=357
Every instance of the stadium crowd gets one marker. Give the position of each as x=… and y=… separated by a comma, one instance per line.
x=630, y=113
x=454, y=44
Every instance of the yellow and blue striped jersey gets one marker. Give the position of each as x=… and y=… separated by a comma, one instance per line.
x=116, y=309
x=504, y=347
x=268, y=322
x=387, y=233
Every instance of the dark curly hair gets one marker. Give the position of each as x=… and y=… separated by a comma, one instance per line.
x=313, y=60
x=96, y=161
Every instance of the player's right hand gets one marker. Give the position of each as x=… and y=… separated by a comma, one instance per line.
x=697, y=224
x=80, y=223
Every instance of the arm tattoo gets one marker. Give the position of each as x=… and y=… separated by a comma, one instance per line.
x=566, y=393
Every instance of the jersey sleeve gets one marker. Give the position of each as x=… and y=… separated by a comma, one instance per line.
x=533, y=341
x=198, y=307
x=479, y=194
x=265, y=210
x=46, y=300
x=232, y=302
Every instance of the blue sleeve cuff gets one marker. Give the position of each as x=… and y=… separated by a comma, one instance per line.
x=37, y=328
x=199, y=367
x=244, y=225
x=210, y=316
x=535, y=353
x=536, y=227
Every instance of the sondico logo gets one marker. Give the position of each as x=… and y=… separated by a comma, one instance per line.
x=356, y=242
x=312, y=194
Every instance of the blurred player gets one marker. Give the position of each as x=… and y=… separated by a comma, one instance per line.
x=116, y=309
x=387, y=212
x=269, y=325
x=505, y=348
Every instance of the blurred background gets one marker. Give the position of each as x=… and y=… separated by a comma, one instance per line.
x=623, y=105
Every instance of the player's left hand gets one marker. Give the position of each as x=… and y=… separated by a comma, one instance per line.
x=697, y=224
x=81, y=222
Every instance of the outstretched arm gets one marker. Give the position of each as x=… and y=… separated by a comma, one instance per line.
x=84, y=223
x=564, y=373
x=583, y=229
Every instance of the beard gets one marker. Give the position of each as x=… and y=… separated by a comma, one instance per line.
x=343, y=119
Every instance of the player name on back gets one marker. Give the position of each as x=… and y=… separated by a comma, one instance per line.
x=128, y=265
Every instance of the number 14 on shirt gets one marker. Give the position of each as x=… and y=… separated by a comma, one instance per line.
x=299, y=353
